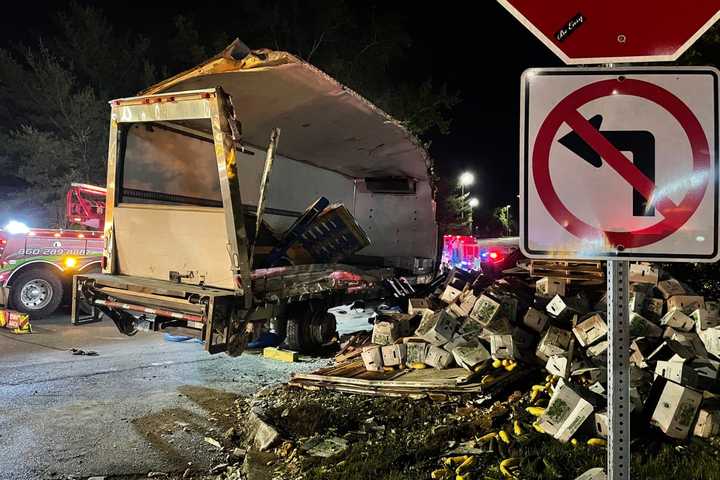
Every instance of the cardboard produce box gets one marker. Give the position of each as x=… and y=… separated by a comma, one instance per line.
x=686, y=303
x=393, y=355
x=535, y=319
x=372, y=358
x=550, y=286
x=675, y=410
x=590, y=330
x=438, y=358
x=708, y=423
x=565, y=413
x=556, y=341
x=644, y=273
x=439, y=328
x=676, y=319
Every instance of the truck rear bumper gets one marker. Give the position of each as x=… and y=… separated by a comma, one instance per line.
x=160, y=304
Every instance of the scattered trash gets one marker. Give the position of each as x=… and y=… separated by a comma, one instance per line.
x=78, y=351
x=331, y=447
x=213, y=442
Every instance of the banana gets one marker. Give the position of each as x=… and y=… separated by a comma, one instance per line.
x=465, y=466
x=517, y=430
x=574, y=442
x=504, y=436
x=497, y=363
x=534, y=395
x=540, y=388
x=535, y=411
x=507, y=465
x=596, y=442
x=538, y=428
x=449, y=461
x=511, y=366
x=418, y=365
x=439, y=474
x=487, y=437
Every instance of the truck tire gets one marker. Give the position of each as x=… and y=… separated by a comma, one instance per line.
x=36, y=292
x=310, y=331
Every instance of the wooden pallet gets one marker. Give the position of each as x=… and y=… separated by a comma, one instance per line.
x=568, y=269
x=352, y=377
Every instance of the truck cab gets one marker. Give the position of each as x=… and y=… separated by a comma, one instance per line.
x=211, y=171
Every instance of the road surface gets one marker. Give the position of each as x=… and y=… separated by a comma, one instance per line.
x=142, y=404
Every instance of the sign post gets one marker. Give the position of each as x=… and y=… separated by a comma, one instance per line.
x=618, y=452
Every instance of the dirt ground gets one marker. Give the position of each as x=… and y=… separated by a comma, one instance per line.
x=142, y=405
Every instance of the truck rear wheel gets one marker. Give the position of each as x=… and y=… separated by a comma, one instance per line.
x=310, y=330
x=37, y=293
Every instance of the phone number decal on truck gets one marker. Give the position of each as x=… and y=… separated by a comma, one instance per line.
x=54, y=251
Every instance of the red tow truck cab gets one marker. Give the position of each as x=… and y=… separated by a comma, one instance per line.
x=37, y=265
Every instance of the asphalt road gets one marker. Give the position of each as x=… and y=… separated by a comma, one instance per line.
x=142, y=404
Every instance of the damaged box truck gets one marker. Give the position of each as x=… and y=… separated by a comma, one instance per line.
x=255, y=188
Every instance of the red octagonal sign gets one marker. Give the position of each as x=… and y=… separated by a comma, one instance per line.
x=609, y=31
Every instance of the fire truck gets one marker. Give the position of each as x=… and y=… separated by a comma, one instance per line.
x=37, y=265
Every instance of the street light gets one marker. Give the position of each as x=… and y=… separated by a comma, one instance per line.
x=466, y=179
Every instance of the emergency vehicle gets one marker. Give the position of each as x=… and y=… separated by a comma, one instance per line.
x=37, y=265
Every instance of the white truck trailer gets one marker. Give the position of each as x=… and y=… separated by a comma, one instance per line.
x=248, y=138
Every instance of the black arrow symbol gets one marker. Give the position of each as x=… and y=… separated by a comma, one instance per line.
x=640, y=142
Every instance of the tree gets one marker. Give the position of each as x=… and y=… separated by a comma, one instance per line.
x=54, y=112
x=363, y=45
x=53, y=95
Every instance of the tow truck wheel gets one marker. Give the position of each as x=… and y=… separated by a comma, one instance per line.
x=37, y=293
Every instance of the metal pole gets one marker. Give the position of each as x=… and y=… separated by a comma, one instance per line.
x=618, y=451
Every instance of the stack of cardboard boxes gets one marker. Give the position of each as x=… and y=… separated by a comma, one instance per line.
x=561, y=326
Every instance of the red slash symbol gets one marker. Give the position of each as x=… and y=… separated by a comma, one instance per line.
x=674, y=216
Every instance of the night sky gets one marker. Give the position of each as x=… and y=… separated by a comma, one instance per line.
x=479, y=51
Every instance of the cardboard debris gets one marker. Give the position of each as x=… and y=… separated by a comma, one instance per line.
x=555, y=341
x=549, y=287
x=385, y=332
x=676, y=409
x=470, y=356
x=493, y=332
x=535, y=319
x=708, y=423
x=686, y=303
x=393, y=355
x=438, y=328
x=593, y=474
x=676, y=319
x=670, y=287
x=373, y=359
x=438, y=358
x=502, y=346
x=590, y=330
x=565, y=413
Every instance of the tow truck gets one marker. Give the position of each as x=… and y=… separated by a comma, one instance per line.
x=37, y=264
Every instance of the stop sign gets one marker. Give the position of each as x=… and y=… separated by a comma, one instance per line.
x=610, y=31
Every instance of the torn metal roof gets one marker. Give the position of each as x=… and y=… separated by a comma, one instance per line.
x=323, y=122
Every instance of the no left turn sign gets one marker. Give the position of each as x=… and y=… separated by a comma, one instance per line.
x=619, y=163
